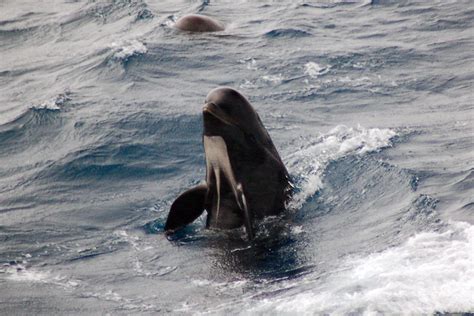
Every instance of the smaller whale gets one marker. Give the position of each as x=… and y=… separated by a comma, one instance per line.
x=246, y=179
x=198, y=23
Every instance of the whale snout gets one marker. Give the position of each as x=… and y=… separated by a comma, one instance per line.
x=210, y=108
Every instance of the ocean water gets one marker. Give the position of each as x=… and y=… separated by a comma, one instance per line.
x=370, y=104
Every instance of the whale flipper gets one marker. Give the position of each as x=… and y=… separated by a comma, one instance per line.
x=186, y=208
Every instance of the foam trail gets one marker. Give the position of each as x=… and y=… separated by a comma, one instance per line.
x=431, y=272
x=308, y=163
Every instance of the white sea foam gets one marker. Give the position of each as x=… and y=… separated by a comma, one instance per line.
x=48, y=105
x=315, y=70
x=296, y=230
x=276, y=79
x=247, y=84
x=308, y=163
x=108, y=295
x=53, y=104
x=125, y=302
x=124, y=50
x=220, y=286
x=140, y=248
x=250, y=62
x=20, y=273
x=132, y=240
x=431, y=272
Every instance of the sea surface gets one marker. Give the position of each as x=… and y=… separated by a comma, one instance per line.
x=369, y=103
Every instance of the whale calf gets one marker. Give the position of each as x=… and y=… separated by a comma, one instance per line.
x=245, y=180
x=198, y=23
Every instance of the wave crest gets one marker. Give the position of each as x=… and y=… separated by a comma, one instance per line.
x=124, y=50
x=309, y=162
x=288, y=33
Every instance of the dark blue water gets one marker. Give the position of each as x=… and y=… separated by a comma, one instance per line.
x=370, y=105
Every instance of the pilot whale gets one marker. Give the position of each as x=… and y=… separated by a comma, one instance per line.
x=198, y=23
x=246, y=179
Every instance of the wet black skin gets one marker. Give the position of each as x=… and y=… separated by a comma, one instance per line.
x=245, y=177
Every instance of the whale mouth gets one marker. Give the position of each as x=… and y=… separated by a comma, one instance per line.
x=212, y=109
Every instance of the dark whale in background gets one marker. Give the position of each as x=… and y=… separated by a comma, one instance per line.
x=198, y=23
x=245, y=177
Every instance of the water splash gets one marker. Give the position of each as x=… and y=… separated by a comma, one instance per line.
x=308, y=163
x=431, y=272
x=315, y=70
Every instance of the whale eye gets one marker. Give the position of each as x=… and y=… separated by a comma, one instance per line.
x=226, y=108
